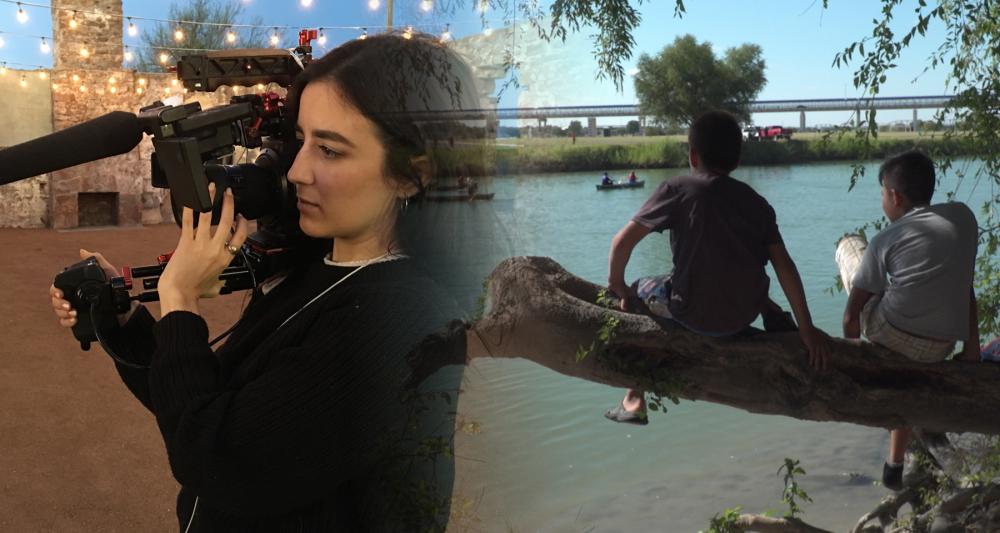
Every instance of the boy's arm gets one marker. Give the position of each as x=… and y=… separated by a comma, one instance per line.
x=788, y=276
x=970, y=348
x=621, y=250
x=856, y=301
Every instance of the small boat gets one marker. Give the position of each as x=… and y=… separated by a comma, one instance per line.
x=463, y=197
x=638, y=184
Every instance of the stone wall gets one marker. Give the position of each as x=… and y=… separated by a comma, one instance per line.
x=98, y=30
x=25, y=203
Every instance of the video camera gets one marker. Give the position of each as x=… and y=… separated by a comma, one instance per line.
x=188, y=144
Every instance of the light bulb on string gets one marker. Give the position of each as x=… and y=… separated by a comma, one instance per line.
x=55, y=86
x=322, y=38
x=260, y=86
x=483, y=6
x=274, y=38
x=72, y=21
x=3, y=69
x=84, y=53
x=132, y=30
x=76, y=78
x=174, y=82
x=112, y=80
x=364, y=34
x=306, y=3
x=487, y=31
x=178, y=34
x=408, y=33
x=44, y=47
x=2, y=42
x=42, y=75
x=83, y=88
x=22, y=17
x=129, y=56
x=112, y=89
x=164, y=57
x=24, y=81
x=138, y=90
x=446, y=34
x=166, y=90
x=373, y=4
x=231, y=36
x=426, y=5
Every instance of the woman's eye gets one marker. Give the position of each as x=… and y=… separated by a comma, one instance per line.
x=328, y=153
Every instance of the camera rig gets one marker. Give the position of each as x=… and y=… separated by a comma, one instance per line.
x=189, y=144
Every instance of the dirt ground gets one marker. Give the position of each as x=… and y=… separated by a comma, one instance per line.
x=77, y=451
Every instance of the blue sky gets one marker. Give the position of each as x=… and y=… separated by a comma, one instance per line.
x=799, y=40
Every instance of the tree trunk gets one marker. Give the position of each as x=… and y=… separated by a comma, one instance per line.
x=541, y=312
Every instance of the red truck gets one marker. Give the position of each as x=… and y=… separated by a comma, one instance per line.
x=766, y=133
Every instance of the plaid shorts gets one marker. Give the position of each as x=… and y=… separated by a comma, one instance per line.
x=880, y=331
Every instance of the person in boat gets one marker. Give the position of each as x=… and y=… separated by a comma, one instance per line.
x=606, y=180
x=912, y=291
x=723, y=233
x=632, y=178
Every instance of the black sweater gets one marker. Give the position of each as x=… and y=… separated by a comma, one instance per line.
x=315, y=426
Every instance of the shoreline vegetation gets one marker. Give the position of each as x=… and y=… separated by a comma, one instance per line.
x=559, y=154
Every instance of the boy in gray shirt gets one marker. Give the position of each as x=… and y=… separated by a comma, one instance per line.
x=912, y=292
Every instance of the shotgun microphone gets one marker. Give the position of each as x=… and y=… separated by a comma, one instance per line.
x=115, y=133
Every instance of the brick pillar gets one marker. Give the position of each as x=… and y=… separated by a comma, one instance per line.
x=98, y=29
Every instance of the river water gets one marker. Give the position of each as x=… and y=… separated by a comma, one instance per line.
x=536, y=453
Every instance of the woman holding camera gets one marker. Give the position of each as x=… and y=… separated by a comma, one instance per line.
x=310, y=416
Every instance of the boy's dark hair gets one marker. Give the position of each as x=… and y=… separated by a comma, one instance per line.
x=911, y=173
x=716, y=137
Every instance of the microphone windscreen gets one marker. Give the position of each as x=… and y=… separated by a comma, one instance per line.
x=112, y=134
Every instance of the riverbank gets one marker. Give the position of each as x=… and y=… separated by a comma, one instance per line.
x=516, y=156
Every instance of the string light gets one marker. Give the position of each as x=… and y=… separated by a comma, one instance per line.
x=142, y=81
x=138, y=90
x=306, y=3
x=484, y=5
x=83, y=88
x=129, y=56
x=174, y=82
x=55, y=86
x=322, y=38
x=76, y=78
x=426, y=5
x=446, y=35
x=364, y=34
x=24, y=81
x=2, y=42
x=408, y=33
x=164, y=57
x=44, y=47
x=3, y=69
x=487, y=30
x=373, y=4
x=260, y=86
x=84, y=52
x=179, y=34
x=112, y=80
x=132, y=30
x=274, y=38
x=22, y=17
x=72, y=21
x=113, y=89
x=231, y=36
x=166, y=90
x=43, y=75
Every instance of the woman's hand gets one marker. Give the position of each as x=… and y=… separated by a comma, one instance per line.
x=61, y=306
x=193, y=270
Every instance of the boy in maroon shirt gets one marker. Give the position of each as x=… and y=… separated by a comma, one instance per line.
x=722, y=234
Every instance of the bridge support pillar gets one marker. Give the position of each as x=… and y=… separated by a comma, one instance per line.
x=542, y=121
x=802, y=120
x=857, y=117
x=592, y=126
x=642, y=126
x=913, y=125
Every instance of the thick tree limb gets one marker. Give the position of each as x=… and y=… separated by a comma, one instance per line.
x=541, y=312
x=767, y=524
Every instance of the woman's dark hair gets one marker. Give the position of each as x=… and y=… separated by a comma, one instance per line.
x=394, y=81
x=716, y=137
x=911, y=173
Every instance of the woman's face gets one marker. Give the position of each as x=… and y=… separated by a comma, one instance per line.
x=338, y=172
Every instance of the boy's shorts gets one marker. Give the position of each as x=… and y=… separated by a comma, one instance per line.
x=880, y=331
x=654, y=291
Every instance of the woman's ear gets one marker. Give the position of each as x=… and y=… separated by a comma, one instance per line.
x=422, y=166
